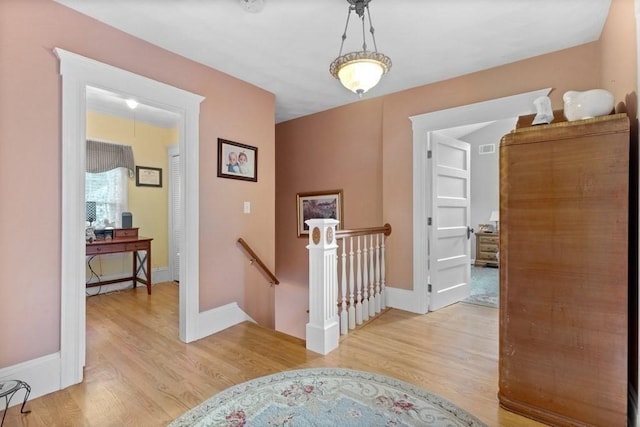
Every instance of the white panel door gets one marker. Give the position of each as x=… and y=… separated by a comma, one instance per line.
x=449, y=233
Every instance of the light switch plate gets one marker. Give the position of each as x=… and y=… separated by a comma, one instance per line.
x=247, y=207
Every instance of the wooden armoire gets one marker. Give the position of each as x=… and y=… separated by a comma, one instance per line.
x=564, y=223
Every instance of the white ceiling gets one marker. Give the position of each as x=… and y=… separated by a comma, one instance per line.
x=286, y=47
x=103, y=101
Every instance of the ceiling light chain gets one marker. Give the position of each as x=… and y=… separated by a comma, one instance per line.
x=344, y=34
x=364, y=39
x=371, y=30
x=360, y=71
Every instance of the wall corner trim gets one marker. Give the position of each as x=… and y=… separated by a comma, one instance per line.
x=406, y=300
x=220, y=318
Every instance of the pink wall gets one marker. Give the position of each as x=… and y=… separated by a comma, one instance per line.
x=388, y=197
x=334, y=152
x=30, y=175
x=575, y=68
x=618, y=54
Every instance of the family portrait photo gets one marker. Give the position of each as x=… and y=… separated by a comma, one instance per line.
x=237, y=161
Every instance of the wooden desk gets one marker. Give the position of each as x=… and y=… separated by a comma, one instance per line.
x=125, y=240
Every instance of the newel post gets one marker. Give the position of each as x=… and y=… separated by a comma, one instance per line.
x=323, y=329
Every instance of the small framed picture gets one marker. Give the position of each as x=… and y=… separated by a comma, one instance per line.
x=318, y=204
x=237, y=161
x=148, y=177
x=484, y=228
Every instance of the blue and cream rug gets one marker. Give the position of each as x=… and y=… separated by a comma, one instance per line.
x=326, y=397
x=485, y=286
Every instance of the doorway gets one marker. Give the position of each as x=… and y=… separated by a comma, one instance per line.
x=423, y=125
x=77, y=73
x=483, y=139
x=143, y=133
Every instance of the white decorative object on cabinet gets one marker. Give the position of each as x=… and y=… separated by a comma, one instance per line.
x=587, y=104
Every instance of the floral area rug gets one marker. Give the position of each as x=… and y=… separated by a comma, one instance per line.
x=326, y=397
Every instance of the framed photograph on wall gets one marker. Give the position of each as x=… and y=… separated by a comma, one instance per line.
x=237, y=161
x=318, y=204
x=148, y=177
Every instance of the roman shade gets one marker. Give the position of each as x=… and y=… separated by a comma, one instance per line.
x=103, y=156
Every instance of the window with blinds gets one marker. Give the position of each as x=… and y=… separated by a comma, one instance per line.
x=109, y=191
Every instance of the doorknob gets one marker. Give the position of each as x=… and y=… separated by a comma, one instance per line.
x=469, y=231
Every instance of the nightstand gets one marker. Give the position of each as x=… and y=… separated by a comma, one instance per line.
x=487, y=246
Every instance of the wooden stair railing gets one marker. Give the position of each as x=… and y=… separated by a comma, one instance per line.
x=255, y=258
x=385, y=229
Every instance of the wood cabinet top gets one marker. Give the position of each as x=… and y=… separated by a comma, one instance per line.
x=602, y=125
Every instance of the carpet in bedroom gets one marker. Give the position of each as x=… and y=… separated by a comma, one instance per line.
x=485, y=288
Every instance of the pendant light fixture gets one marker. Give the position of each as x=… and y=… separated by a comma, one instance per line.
x=360, y=71
x=132, y=103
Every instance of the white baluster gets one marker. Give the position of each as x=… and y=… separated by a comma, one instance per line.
x=352, y=308
x=344, y=319
x=365, y=282
x=372, y=301
x=359, y=286
x=383, y=262
x=378, y=302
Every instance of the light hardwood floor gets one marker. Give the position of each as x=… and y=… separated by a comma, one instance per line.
x=139, y=374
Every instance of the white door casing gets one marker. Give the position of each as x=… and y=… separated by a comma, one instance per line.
x=175, y=213
x=77, y=73
x=449, y=207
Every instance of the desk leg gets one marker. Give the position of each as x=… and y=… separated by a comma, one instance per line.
x=135, y=268
x=145, y=264
x=149, y=271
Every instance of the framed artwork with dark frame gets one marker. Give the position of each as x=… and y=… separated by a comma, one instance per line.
x=318, y=204
x=237, y=161
x=148, y=176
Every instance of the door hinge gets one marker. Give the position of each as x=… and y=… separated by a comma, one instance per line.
x=429, y=154
x=429, y=221
x=429, y=287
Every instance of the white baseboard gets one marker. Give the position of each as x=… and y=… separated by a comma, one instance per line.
x=42, y=375
x=158, y=275
x=406, y=300
x=220, y=318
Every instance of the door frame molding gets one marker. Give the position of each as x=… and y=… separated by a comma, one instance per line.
x=637, y=35
x=172, y=151
x=77, y=73
x=417, y=301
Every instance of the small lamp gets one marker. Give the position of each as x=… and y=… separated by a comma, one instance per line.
x=91, y=213
x=90, y=217
x=495, y=217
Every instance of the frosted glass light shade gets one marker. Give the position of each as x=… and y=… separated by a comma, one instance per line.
x=360, y=71
x=360, y=76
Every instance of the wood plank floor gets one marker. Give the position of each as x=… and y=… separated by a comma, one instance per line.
x=139, y=374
